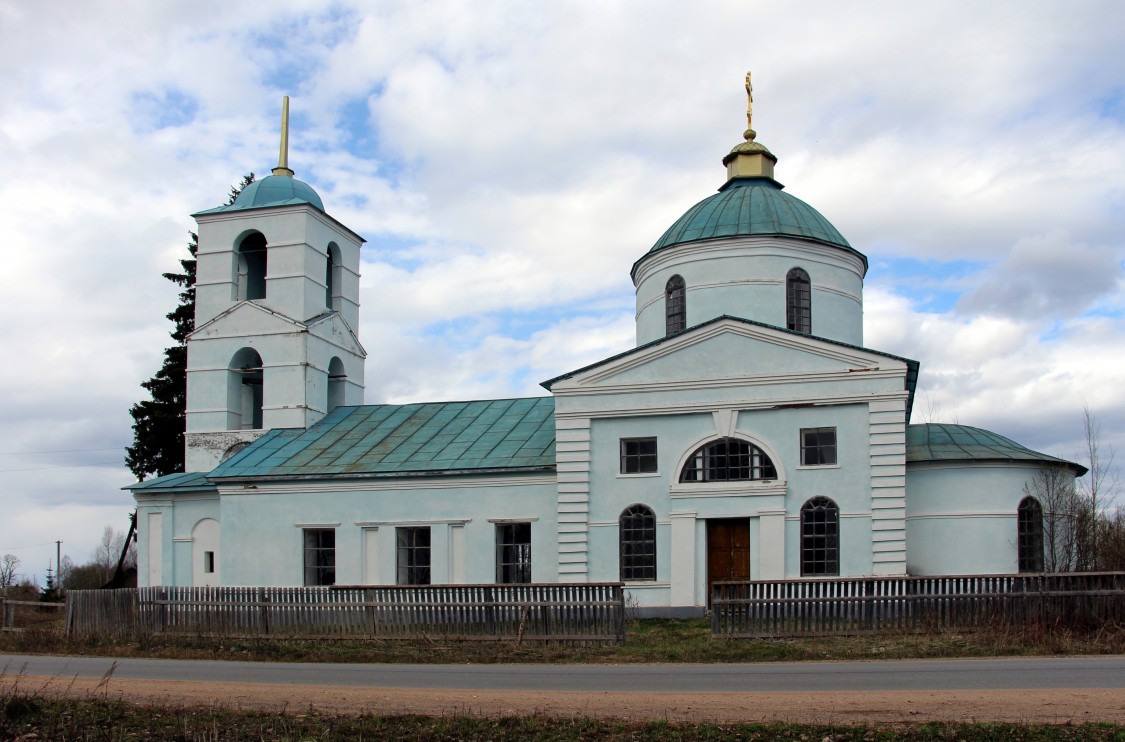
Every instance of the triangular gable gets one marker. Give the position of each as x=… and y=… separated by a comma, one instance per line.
x=731, y=348
x=247, y=318
x=331, y=327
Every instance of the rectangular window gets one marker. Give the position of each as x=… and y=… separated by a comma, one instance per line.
x=638, y=455
x=413, y=559
x=818, y=446
x=513, y=553
x=320, y=556
x=209, y=562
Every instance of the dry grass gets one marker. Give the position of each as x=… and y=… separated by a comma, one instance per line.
x=649, y=640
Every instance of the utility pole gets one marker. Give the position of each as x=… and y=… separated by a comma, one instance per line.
x=58, y=561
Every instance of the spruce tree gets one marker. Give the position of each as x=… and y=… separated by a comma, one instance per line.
x=159, y=422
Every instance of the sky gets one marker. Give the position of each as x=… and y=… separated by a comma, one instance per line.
x=508, y=161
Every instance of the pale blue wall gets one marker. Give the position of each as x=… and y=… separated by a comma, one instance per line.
x=263, y=545
x=847, y=483
x=961, y=517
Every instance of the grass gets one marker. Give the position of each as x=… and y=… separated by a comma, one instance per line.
x=26, y=716
x=649, y=640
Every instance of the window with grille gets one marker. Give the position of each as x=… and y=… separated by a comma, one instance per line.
x=818, y=446
x=513, y=553
x=820, y=538
x=728, y=459
x=1029, y=543
x=637, y=527
x=675, y=305
x=413, y=555
x=798, y=301
x=638, y=455
x=320, y=556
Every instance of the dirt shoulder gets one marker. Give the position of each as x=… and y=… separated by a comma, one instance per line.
x=896, y=707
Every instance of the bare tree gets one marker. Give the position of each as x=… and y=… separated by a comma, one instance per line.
x=9, y=567
x=1099, y=487
x=109, y=550
x=1064, y=516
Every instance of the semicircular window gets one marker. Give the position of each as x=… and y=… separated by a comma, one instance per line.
x=728, y=460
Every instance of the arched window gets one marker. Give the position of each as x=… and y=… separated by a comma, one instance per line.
x=820, y=537
x=230, y=452
x=336, y=380
x=331, y=276
x=1029, y=535
x=728, y=460
x=245, y=391
x=675, y=305
x=637, y=527
x=251, y=277
x=798, y=301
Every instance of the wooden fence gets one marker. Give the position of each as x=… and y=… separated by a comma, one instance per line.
x=787, y=608
x=32, y=613
x=581, y=613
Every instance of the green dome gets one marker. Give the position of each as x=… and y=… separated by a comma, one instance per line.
x=750, y=206
x=274, y=190
x=940, y=442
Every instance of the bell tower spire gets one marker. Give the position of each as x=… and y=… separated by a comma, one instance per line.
x=283, y=156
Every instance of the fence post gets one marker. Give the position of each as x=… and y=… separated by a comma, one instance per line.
x=619, y=597
x=263, y=613
x=9, y=613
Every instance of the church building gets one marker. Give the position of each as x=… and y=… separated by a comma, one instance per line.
x=750, y=434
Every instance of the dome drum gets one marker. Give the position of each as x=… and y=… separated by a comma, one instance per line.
x=747, y=277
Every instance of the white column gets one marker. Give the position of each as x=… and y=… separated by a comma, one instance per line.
x=155, y=549
x=371, y=557
x=457, y=554
x=771, y=544
x=683, y=559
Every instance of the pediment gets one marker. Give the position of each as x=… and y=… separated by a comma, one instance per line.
x=247, y=318
x=333, y=329
x=727, y=350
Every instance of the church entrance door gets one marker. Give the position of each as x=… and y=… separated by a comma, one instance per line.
x=728, y=551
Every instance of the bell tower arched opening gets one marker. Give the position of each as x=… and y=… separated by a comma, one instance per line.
x=251, y=257
x=245, y=391
x=337, y=378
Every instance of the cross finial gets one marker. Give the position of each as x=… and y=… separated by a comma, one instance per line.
x=749, y=134
x=283, y=158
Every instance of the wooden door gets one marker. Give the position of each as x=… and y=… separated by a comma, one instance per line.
x=728, y=551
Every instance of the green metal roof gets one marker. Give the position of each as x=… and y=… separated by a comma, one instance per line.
x=941, y=442
x=912, y=366
x=272, y=190
x=751, y=206
x=179, y=482
x=429, y=439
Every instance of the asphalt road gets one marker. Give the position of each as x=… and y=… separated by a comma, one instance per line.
x=901, y=675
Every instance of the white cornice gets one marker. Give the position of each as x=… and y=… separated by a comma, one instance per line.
x=740, y=405
x=256, y=214
x=382, y=484
x=765, y=246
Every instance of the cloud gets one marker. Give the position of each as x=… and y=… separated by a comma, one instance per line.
x=1045, y=276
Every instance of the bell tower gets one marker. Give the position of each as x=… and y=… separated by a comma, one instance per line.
x=276, y=316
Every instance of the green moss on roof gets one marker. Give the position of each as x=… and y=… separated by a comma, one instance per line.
x=750, y=206
x=429, y=439
x=941, y=442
